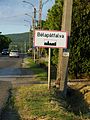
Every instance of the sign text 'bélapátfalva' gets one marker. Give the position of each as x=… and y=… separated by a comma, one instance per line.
x=50, y=39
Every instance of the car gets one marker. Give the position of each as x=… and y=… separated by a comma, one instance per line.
x=14, y=53
x=5, y=52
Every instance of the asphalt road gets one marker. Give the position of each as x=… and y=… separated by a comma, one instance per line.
x=11, y=69
x=11, y=74
x=10, y=66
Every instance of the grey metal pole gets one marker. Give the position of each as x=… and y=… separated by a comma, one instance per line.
x=49, y=81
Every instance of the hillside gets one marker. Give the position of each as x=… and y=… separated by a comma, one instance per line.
x=19, y=37
x=21, y=40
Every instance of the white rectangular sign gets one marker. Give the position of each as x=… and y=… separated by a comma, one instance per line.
x=66, y=54
x=50, y=39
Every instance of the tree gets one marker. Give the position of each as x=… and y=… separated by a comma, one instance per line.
x=79, y=60
x=53, y=22
x=4, y=42
x=54, y=16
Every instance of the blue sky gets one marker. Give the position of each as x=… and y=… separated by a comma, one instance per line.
x=12, y=15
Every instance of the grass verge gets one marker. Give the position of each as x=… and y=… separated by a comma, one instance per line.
x=40, y=73
x=37, y=103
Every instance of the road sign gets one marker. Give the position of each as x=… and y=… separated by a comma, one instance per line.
x=50, y=39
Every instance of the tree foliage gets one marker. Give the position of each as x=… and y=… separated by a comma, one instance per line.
x=4, y=42
x=79, y=62
x=54, y=16
x=53, y=22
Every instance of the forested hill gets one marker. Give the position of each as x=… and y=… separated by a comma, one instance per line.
x=19, y=37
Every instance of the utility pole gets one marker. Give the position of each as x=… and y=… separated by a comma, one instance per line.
x=40, y=14
x=34, y=25
x=63, y=60
x=39, y=24
x=30, y=36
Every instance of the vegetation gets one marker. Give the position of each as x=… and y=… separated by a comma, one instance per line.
x=19, y=41
x=80, y=39
x=38, y=71
x=19, y=37
x=4, y=42
x=79, y=46
x=35, y=102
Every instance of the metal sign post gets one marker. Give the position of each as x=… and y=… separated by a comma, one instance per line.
x=49, y=81
x=50, y=39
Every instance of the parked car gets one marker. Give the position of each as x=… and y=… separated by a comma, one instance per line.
x=5, y=52
x=14, y=53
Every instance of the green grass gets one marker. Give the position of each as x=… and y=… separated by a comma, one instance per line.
x=38, y=71
x=37, y=102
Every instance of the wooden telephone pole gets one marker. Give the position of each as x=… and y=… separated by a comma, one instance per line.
x=63, y=60
x=39, y=24
x=40, y=14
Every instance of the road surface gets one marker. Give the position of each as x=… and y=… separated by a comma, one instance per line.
x=12, y=74
x=11, y=68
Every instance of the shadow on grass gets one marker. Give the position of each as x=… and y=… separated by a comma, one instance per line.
x=37, y=70
x=45, y=69
x=74, y=102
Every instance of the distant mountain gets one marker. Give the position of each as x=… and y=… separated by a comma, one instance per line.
x=19, y=37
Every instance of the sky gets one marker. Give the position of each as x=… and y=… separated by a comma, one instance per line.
x=13, y=18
